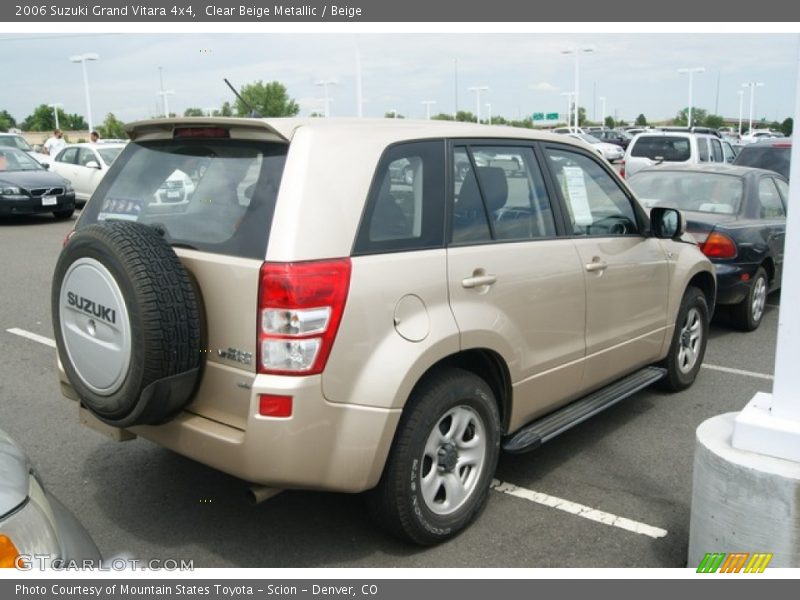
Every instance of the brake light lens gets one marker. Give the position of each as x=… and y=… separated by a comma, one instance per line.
x=718, y=245
x=300, y=308
x=271, y=405
x=68, y=238
x=201, y=132
x=622, y=169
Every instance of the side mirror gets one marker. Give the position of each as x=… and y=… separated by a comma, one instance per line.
x=45, y=166
x=667, y=223
x=92, y=164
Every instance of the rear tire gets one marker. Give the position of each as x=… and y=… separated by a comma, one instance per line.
x=688, y=342
x=436, y=479
x=747, y=315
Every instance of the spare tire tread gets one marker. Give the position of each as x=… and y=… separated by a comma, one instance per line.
x=163, y=312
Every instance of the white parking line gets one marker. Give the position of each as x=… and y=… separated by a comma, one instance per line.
x=32, y=336
x=739, y=372
x=587, y=512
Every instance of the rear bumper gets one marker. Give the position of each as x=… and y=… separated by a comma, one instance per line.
x=734, y=281
x=322, y=446
x=32, y=206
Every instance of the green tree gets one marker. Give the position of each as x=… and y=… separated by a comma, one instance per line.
x=465, y=116
x=787, y=126
x=6, y=121
x=609, y=122
x=581, y=116
x=226, y=110
x=442, y=117
x=699, y=116
x=393, y=115
x=268, y=99
x=714, y=121
x=194, y=112
x=641, y=121
x=112, y=127
x=42, y=119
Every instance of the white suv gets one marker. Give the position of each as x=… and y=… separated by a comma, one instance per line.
x=687, y=147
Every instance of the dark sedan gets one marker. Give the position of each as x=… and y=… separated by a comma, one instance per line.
x=774, y=154
x=26, y=187
x=738, y=217
x=612, y=136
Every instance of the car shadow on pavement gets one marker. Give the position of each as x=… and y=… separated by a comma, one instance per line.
x=185, y=508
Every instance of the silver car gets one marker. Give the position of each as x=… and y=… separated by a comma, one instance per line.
x=36, y=530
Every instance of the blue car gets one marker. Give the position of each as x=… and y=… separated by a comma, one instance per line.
x=738, y=217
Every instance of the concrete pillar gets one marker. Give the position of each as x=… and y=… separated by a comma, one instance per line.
x=742, y=501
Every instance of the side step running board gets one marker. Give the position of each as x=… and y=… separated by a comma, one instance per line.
x=536, y=433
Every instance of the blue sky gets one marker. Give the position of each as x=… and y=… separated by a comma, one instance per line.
x=525, y=72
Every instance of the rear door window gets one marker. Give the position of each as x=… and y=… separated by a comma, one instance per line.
x=501, y=195
x=716, y=148
x=216, y=195
x=666, y=148
x=769, y=199
x=702, y=149
x=68, y=155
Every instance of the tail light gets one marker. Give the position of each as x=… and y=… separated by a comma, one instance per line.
x=201, y=132
x=718, y=245
x=300, y=308
x=68, y=238
x=622, y=169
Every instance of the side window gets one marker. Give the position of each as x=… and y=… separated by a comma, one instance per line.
x=769, y=199
x=405, y=208
x=470, y=223
x=702, y=149
x=513, y=195
x=783, y=188
x=68, y=155
x=595, y=203
x=727, y=150
x=716, y=147
x=86, y=156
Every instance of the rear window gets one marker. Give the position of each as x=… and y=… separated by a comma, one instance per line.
x=687, y=190
x=666, y=148
x=211, y=195
x=765, y=157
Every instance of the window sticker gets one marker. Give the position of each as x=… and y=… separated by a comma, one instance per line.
x=578, y=198
x=120, y=209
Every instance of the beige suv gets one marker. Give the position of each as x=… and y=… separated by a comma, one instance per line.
x=370, y=305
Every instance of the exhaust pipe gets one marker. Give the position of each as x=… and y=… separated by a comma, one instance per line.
x=257, y=494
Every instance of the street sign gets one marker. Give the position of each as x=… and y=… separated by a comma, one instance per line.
x=540, y=116
x=552, y=116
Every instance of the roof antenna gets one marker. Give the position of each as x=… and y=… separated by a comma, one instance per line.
x=254, y=114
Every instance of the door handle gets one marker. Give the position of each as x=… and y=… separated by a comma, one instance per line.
x=597, y=266
x=478, y=281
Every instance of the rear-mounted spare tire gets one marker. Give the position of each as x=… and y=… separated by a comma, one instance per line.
x=127, y=324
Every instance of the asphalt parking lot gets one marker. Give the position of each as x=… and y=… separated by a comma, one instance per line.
x=612, y=492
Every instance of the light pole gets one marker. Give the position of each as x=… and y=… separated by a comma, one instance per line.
x=603, y=110
x=82, y=58
x=427, y=104
x=752, y=85
x=325, y=83
x=577, y=52
x=478, y=89
x=55, y=106
x=164, y=94
x=741, y=99
x=489, y=110
x=455, y=88
x=691, y=71
x=569, y=96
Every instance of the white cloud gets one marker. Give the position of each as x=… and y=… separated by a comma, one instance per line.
x=543, y=86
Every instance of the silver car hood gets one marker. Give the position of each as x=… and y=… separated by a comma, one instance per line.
x=14, y=475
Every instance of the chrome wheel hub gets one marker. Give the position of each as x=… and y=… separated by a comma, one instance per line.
x=690, y=341
x=453, y=460
x=759, y=299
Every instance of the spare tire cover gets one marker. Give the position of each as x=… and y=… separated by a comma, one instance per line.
x=127, y=323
